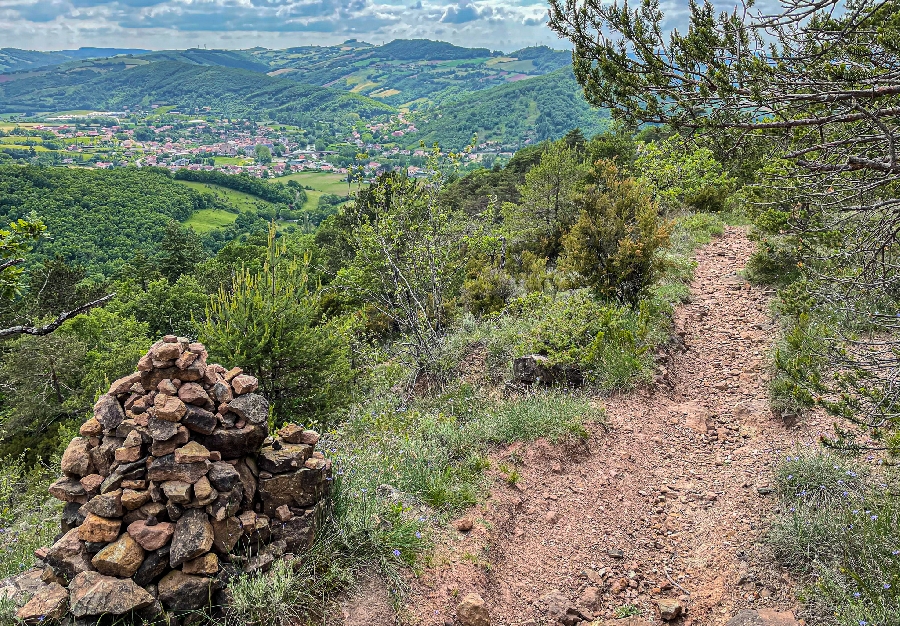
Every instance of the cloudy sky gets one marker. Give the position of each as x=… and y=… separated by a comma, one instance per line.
x=160, y=24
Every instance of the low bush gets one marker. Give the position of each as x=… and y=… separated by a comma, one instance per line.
x=837, y=529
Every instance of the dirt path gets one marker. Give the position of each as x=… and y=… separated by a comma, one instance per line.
x=669, y=503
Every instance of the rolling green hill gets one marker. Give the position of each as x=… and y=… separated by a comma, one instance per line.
x=532, y=110
x=227, y=91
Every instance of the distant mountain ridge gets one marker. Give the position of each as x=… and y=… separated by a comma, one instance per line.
x=228, y=91
x=15, y=59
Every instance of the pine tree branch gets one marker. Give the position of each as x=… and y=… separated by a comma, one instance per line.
x=40, y=331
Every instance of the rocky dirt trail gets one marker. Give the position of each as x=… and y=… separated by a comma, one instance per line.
x=667, y=503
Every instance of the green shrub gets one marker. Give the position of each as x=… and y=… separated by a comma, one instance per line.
x=614, y=242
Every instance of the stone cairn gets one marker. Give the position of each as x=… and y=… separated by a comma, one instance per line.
x=173, y=488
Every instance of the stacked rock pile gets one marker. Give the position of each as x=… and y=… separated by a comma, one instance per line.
x=173, y=487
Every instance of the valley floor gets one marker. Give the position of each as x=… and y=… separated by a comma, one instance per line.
x=669, y=499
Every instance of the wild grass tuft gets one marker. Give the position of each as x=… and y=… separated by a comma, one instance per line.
x=838, y=530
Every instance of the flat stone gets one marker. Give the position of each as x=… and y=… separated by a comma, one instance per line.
x=121, y=558
x=92, y=593
x=166, y=468
x=192, y=452
x=105, y=505
x=132, y=499
x=763, y=617
x=207, y=564
x=244, y=383
x=234, y=371
x=151, y=538
x=124, y=384
x=109, y=412
x=193, y=537
x=50, y=603
x=68, y=490
x=199, y=420
x=99, y=529
x=289, y=457
x=182, y=592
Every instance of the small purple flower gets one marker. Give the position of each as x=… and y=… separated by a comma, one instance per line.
x=418, y=535
x=396, y=552
x=856, y=594
x=887, y=585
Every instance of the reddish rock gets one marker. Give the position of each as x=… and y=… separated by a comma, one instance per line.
x=151, y=537
x=91, y=428
x=166, y=352
x=91, y=482
x=68, y=555
x=192, y=393
x=124, y=384
x=50, y=603
x=185, y=360
x=99, y=529
x=128, y=455
x=230, y=374
x=244, y=384
x=169, y=408
x=132, y=499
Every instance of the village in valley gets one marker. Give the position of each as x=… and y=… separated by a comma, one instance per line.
x=174, y=140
